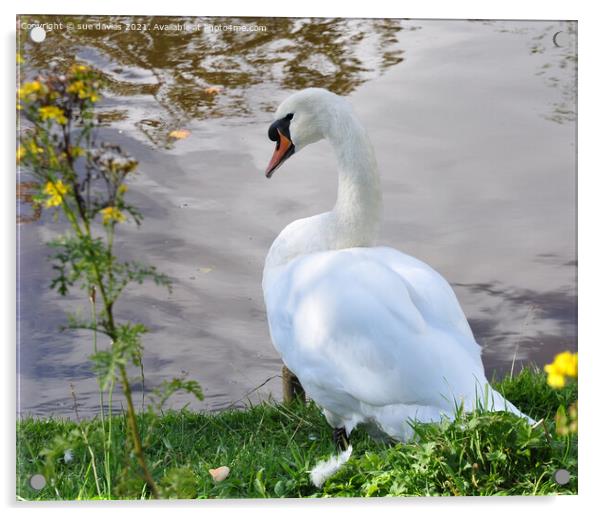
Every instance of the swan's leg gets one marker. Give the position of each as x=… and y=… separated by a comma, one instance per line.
x=291, y=387
x=341, y=439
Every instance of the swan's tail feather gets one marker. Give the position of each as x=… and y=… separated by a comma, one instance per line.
x=323, y=470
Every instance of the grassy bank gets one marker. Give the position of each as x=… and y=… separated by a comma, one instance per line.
x=269, y=449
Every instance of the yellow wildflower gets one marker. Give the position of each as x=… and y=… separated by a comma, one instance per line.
x=33, y=147
x=83, y=90
x=110, y=214
x=76, y=151
x=56, y=192
x=30, y=88
x=20, y=59
x=79, y=68
x=53, y=113
x=565, y=365
x=556, y=381
x=76, y=87
x=122, y=189
x=30, y=146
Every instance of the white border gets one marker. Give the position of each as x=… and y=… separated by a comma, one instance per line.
x=590, y=257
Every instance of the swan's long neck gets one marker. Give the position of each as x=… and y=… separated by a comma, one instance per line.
x=355, y=218
x=357, y=212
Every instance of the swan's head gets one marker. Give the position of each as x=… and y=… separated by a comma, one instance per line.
x=302, y=119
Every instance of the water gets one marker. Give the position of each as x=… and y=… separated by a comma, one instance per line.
x=473, y=123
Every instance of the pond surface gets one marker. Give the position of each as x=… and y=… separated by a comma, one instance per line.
x=473, y=123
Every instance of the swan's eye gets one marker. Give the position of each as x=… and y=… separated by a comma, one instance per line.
x=283, y=125
x=273, y=131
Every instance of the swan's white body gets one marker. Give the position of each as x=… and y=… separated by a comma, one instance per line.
x=373, y=335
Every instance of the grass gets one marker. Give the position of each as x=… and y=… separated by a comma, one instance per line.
x=270, y=448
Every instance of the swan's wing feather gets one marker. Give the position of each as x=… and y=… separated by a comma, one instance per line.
x=429, y=291
x=352, y=322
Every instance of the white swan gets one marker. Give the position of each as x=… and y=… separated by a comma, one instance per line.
x=374, y=335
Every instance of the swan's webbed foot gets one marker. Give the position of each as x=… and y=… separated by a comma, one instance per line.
x=341, y=439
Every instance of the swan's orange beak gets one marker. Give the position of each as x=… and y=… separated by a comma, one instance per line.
x=284, y=150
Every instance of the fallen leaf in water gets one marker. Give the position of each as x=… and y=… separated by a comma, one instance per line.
x=213, y=90
x=205, y=270
x=180, y=134
x=219, y=474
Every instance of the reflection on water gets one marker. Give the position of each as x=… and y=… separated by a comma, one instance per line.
x=542, y=319
x=176, y=68
x=560, y=71
x=474, y=133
